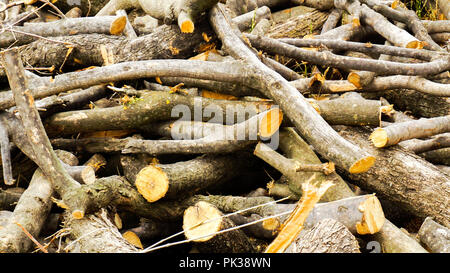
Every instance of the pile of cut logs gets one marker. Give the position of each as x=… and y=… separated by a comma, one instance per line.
x=231, y=126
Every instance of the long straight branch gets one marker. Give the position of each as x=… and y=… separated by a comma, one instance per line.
x=326, y=141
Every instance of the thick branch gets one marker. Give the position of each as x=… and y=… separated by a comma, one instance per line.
x=398, y=132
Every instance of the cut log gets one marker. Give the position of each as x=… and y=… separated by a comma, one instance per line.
x=165, y=42
x=64, y=27
x=395, y=133
x=327, y=236
x=360, y=214
x=156, y=106
x=189, y=177
x=436, y=237
x=204, y=234
x=403, y=177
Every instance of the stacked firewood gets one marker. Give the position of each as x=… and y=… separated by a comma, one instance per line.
x=235, y=126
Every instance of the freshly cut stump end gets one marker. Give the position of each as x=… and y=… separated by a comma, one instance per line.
x=379, y=137
x=118, y=25
x=373, y=216
x=362, y=165
x=194, y=219
x=270, y=123
x=152, y=183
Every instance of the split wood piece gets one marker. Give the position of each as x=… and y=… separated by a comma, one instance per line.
x=45, y=157
x=185, y=12
x=327, y=236
x=409, y=18
x=295, y=148
x=95, y=233
x=153, y=147
x=299, y=26
x=205, y=234
x=128, y=28
x=295, y=222
x=6, y=155
x=189, y=177
x=332, y=20
x=263, y=229
x=165, y=42
x=402, y=177
x=436, y=26
x=436, y=237
x=289, y=166
x=154, y=107
x=64, y=27
x=368, y=48
x=420, y=146
x=261, y=126
x=292, y=103
x=250, y=19
x=327, y=58
x=439, y=156
x=31, y=211
x=389, y=31
x=395, y=133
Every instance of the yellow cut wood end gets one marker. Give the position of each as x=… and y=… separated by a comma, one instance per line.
x=133, y=239
x=152, y=183
x=118, y=25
